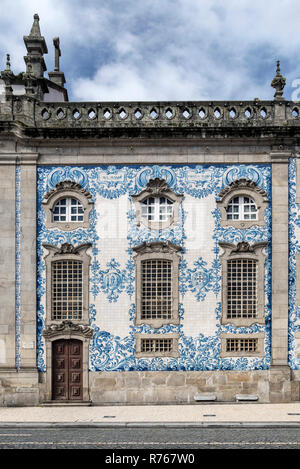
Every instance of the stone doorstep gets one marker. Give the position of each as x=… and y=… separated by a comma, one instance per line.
x=66, y=404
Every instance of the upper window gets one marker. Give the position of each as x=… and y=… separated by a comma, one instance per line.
x=241, y=208
x=68, y=209
x=242, y=204
x=67, y=206
x=157, y=206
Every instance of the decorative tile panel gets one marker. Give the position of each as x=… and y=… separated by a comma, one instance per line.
x=200, y=269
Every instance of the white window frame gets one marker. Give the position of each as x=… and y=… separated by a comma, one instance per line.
x=241, y=204
x=157, y=209
x=68, y=215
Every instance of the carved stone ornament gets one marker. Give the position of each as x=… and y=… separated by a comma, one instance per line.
x=68, y=186
x=243, y=247
x=157, y=247
x=157, y=186
x=67, y=328
x=67, y=248
x=243, y=183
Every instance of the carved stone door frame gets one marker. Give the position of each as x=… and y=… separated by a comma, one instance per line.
x=67, y=330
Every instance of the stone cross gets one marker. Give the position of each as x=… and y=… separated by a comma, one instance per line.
x=57, y=53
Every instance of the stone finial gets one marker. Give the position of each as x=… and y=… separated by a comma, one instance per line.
x=278, y=83
x=35, y=30
x=36, y=47
x=8, y=63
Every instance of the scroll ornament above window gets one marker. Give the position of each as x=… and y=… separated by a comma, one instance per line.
x=157, y=206
x=242, y=204
x=67, y=206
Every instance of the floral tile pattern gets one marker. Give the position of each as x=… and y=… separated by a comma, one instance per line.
x=198, y=277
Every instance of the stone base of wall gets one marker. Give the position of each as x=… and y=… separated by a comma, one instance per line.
x=19, y=388
x=171, y=387
x=279, y=384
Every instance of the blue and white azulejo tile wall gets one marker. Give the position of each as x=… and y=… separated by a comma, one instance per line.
x=114, y=232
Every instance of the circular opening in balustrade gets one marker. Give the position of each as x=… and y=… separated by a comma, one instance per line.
x=186, y=113
x=76, y=114
x=138, y=114
x=153, y=113
x=263, y=113
x=217, y=113
x=202, y=113
x=107, y=113
x=60, y=114
x=232, y=113
x=248, y=113
x=45, y=114
x=122, y=113
x=169, y=113
x=295, y=112
x=91, y=114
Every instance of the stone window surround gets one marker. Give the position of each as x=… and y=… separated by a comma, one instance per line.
x=244, y=250
x=260, y=352
x=64, y=190
x=157, y=250
x=157, y=188
x=175, y=347
x=68, y=252
x=247, y=188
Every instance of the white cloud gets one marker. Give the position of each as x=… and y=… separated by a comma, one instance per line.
x=161, y=49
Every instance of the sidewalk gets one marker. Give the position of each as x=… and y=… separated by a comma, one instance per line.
x=160, y=415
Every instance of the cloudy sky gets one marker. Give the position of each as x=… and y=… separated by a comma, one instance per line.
x=120, y=50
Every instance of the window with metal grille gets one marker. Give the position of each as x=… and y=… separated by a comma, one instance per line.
x=67, y=210
x=156, y=301
x=66, y=290
x=241, y=208
x=241, y=345
x=156, y=345
x=241, y=288
x=157, y=208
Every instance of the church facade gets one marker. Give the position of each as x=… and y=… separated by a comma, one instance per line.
x=149, y=250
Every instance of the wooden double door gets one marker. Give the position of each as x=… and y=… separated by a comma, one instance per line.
x=67, y=382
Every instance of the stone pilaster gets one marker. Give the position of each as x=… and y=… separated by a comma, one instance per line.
x=280, y=258
x=27, y=260
x=7, y=261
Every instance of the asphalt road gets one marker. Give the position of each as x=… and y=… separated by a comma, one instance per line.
x=113, y=439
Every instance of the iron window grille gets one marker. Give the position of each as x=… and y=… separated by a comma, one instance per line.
x=67, y=290
x=241, y=288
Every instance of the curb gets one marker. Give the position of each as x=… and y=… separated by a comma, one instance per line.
x=148, y=424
